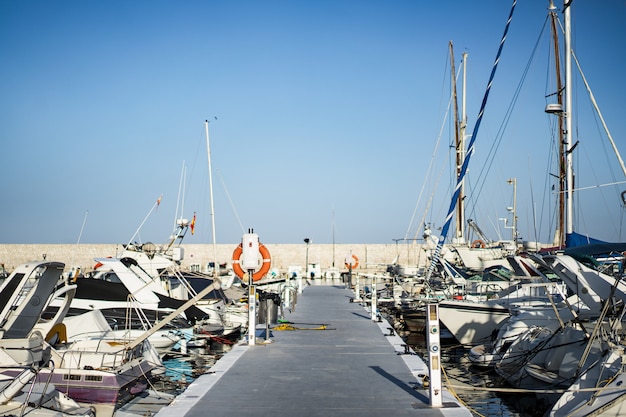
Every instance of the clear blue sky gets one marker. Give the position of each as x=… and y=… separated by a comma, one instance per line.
x=327, y=117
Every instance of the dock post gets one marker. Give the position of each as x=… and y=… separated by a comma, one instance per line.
x=357, y=287
x=374, y=300
x=251, y=311
x=434, y=355
x=267, y=319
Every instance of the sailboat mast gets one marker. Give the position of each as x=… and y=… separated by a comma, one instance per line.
x=568, y=118
x=216, y=265
x=333, y=265
x=463, y=99
x=462, y=127
x=458, y=140
x=559, y=234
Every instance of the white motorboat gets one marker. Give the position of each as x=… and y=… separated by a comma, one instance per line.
x=600, y=390
x=92, y=325
x=21, y=395
x=474, y=323
x=90, y=371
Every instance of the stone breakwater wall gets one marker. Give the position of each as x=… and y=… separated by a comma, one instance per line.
x=372, y=257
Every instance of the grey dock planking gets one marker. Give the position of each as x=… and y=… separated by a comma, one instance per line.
x=353, y=368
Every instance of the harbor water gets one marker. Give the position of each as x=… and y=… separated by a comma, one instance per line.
x=475, y=387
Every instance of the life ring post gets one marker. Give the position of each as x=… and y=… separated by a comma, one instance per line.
x=251, y=262
x=251, y=310
x=352, y=262
x=246, y=259
x=250, y=250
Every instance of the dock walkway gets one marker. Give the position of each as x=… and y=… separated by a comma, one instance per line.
x=353, y=368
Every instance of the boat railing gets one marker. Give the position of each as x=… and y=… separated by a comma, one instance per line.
x=96, y=354
x=483, y=291
x=530, y=292
x=289, y=296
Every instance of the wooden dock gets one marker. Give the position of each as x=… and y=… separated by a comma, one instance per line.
x=330, y=360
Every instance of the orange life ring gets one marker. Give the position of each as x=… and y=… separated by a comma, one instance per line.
x=267, y=263
x=354, y=264
x=478, y=244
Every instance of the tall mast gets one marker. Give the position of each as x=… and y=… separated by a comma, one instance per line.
x=568, y=119
x=216, y=265
x=559, y=233
x=333, y=265
x=462, y=127
x=458, y=141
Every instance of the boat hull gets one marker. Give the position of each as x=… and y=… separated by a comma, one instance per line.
x=95, y=386
x=471, y=323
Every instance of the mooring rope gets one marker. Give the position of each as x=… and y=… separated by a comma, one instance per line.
x=286, y=326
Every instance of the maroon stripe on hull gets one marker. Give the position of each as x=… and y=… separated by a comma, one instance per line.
x=102, y=388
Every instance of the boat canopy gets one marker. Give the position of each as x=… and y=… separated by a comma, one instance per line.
x=576, y=239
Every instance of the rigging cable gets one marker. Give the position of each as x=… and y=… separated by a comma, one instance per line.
x=230, y=200
x=484, y=172
x=428, y=175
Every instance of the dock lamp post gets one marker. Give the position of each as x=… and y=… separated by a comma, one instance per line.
x=306, y=268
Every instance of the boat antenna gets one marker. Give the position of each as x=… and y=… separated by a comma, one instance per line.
x=180, y=200
x=216, y=264
x=180, y=223
x=82, y=227
x=156, y=204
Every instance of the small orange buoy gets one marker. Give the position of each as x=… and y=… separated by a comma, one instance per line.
x=478, y=244
x=354, y=264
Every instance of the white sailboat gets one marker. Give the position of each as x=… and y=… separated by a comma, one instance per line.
x=599, y=391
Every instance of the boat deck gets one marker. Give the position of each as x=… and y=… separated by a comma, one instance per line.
x=355, y=367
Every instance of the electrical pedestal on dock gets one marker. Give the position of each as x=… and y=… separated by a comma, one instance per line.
x=434, y=354
x=357, y=287
x=374, y=300
x=250, y=262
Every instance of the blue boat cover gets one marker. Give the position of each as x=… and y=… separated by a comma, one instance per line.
x=576, y=239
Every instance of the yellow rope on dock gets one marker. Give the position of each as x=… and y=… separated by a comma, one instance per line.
x=286, y=326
